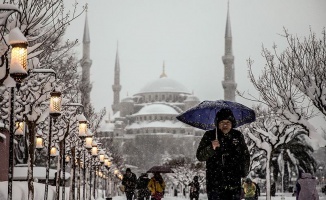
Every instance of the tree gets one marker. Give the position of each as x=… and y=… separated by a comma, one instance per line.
x=293, y=83
x=268, y=133
x=43, y=24
x=184, y=170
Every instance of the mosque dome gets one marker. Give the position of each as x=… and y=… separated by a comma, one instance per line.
x=157, y=109
x=192, y=98
x=164, y=84
x=128, y=99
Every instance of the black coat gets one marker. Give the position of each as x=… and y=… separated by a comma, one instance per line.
x=226, y=164
x=142, y=183
x=194, y=189
x=129, y=182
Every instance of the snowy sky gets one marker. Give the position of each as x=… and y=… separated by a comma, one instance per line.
x=189, y=36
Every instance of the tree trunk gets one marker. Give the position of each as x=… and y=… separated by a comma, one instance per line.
x=58, y=178
x=268, y=176
x=31, y=148
x=48, y=162
x=73, y=173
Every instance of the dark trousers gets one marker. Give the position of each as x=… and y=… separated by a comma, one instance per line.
x=224, y=194
x=129, y=195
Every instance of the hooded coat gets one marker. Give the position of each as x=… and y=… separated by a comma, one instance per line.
x=308, y=189
x=226, y=164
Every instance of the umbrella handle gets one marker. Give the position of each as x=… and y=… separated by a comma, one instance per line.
x=216, y=133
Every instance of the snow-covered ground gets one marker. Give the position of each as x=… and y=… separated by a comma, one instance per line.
x=20, y=192
x=204, y=197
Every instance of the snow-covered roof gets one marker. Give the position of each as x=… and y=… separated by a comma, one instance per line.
x=156, y=124
x=127, y=99
x=20, y=173
x=106, y=127
x=192, y=98
x=163, y=84
x=156, y=108
x=116, y=115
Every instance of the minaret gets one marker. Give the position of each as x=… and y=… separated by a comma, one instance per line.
x=228, y=83
x=116, y=87
x=163, y=72
x=86, y=64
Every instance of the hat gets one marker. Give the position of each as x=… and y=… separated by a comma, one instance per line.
x=128, y=170
x=248, y=180
x=224, y=114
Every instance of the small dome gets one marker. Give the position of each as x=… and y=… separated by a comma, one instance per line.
x=157, y=109
x=128, y=99
x=192, y=98
x=164, y=84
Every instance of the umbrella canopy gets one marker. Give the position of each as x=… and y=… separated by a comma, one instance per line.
x=203, y=115
x=160, y=169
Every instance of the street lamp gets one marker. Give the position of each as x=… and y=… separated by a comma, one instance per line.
x=55, y=108
x=18, y=63
x=94, y=155
x=55, y=104
x=18, y=66
x=39, y=142
x=84, y=138
x=20, y=128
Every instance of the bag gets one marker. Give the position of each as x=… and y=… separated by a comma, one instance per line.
x=158, y=195
x=122, y=188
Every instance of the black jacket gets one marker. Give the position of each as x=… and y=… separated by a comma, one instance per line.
x=226, y=164
x=194, y=189
x=129, y=182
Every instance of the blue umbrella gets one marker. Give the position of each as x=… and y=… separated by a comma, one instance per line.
x=203, y=115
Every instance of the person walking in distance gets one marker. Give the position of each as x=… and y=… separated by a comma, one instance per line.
x=306, y=187
x=194, y=189
x=157, y=186
x=142, y=182
x=129, y=182
x=227, y=158
x=249, y=189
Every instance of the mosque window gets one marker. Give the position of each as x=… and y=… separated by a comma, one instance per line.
x=156, y=97
x=173, y=131
x=163, y=97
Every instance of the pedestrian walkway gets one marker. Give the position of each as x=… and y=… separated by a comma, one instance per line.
x=287, y=196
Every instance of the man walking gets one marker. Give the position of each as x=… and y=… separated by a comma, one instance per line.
x=129, y=181
x=227, y=158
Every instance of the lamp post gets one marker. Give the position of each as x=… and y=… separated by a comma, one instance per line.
x=94, y=155
x=18, y=71
x=82, y=135
x=55, y=108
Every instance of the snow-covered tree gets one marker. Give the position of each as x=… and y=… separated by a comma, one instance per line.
x=184, y=171
x=269, y=134
x=43, y=24
x=293, y=83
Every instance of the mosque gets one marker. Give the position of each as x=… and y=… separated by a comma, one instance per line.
x=144, y=126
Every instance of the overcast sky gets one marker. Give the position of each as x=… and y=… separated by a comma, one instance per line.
x=189, y=36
